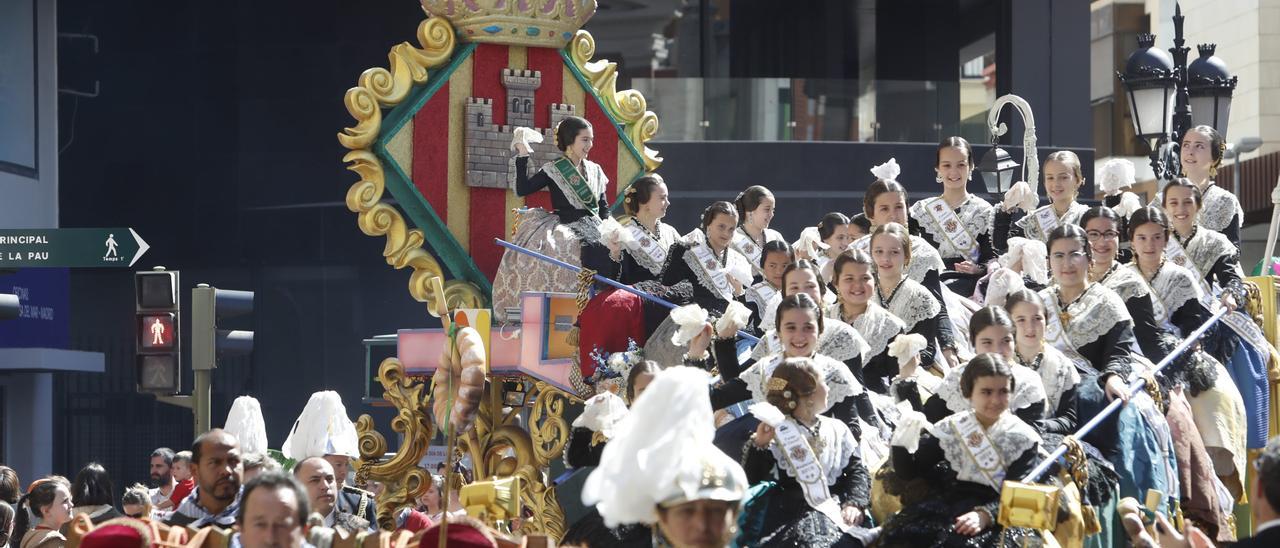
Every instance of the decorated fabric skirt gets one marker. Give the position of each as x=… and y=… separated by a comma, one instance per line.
x=541, y=231
x=930, y=523
x=779, y=516
x=1244, y=351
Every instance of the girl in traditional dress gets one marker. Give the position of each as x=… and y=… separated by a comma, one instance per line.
x=1201, y=156
x=1238, y=343
x=913, y=304
x=855, y=290
x=705, y=258
x=1089, y=324
x=1103, y=227
x=991, y=331
x=577, y=186
x=591, y=432
x=765, y=294
x=1063, y=178
x=800, y=327
x=957, y=223
x=884, y=203
x=962, y=462
x=756, y=207
x=822, y=485
x=686, y=488
x=839, y=340
x=824, y=242
x=1179, y=310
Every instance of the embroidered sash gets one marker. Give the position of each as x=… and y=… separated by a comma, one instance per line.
x=648, y=251
x=764, y=292
x=710, y=271
x=1178, y=255
x=1243, y=325
x=1056, y=334
x=952, y=229
x=808, y=471
x=1046, y=220
x=1158, y=308
x=748, y=247
x=980, y=449
x=573, y=184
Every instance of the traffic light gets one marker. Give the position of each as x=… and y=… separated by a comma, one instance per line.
x=208, y=343
x=158, y=327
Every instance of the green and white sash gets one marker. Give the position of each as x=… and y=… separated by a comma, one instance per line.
x=573, y=183
x=952, y=229
x=808, y=471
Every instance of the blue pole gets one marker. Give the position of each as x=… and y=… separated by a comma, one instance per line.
x=1115, y=405
x=642, y=294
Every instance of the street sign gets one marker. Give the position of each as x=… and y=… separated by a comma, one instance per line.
x=70, y=247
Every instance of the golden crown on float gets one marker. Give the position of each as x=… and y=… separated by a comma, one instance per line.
x=539, y=23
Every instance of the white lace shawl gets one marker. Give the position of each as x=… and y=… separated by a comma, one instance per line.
x=839, y=340
x=911, y=304
x=749, y=248
x=1028, y=389
x=877, y=326
x=1207, y=247
x=1058, y=374
x=839, y=446
x=756, y=295
x=1125, y=282
x=666, y=236
x=975, y=214
x=1220, y=206
x=733, y=260
x=1031, y=227
x=1010, y=436
x=924, y=258
x=1174, y=285
x=1092, y=315
x=840, y=381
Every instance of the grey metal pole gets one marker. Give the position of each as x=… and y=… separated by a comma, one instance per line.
x=202, y=393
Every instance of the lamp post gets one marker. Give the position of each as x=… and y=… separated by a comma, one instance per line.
x=996, y=165
x=1167, y=97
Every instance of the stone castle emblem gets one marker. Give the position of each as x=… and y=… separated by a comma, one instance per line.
x=488, y=157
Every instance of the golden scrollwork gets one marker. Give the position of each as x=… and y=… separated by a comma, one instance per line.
x=628, y=107
x=380, y=88
x=404, y=480
x=547, y=425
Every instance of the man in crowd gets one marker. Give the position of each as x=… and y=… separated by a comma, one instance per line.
x=216, y=498
x=161, y=476
x=316, y=474
x=272, y=514
x=324, y=430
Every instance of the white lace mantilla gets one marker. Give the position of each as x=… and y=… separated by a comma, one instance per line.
x=1092, y=315
x=1058, y=375
x=706, y=274
x=1028, y=389
x=596, y=180
x=911, y=303
x=1031, y=225
x=760, y=294
x=1207, y=247
x=839, y=340
x=924, y=258
x=840, y=381
x=1220, y=206
x=1175, y=286
x=1125, y=282
x=837, y=443
x=975, y=214
x=1009, y=436
x=650, y=250
x=877, y=326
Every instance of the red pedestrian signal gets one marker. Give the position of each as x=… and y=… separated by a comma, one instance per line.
x=158, y=328
x=156, y=332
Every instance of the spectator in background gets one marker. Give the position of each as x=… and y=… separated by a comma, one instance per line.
x=10, y=487
x=136, y=502
x=273, y=511
x=216, y=499
x=161, y=475
x=48, y=500
x=93, y=495
x=258, y=463
x=182, y=479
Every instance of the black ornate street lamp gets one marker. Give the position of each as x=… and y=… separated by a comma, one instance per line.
x=1166, y=97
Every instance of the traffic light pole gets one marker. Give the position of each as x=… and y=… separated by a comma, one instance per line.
x=203, y=353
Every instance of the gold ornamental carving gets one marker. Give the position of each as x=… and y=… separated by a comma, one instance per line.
x=403, y=479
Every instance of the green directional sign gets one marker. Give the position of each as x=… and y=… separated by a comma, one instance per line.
x=70, y=247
